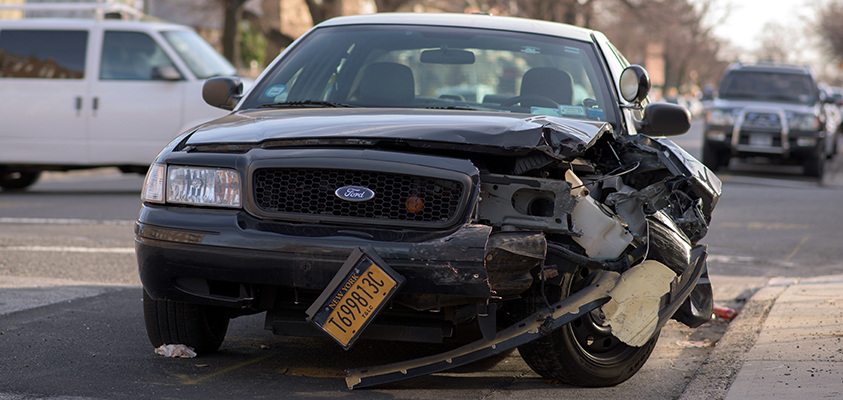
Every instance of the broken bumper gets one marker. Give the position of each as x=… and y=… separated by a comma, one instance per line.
x=531, y=328
x=219, y=257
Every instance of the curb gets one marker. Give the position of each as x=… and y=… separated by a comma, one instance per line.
x=716, y=374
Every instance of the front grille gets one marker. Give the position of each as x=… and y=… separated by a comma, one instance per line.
x=762, y=120
x=310, y=192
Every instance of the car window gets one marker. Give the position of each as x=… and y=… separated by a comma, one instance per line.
x=130, y=56
x=43, y=54
x=430, y=67
x=774, y=86
x=199, y=56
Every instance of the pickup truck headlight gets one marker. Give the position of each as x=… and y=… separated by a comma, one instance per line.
x=216, y=187
x=804, y=122
x=716, y=116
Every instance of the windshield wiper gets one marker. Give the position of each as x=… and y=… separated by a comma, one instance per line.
x=304, y=104
x=738, y=95
x=452, y=108
x=783, y=97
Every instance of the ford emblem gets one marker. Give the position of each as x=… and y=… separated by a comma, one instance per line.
x=355, y=193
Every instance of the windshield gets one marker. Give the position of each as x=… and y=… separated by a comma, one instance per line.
x=771, y=86
x=199, y=56
x=438, y=67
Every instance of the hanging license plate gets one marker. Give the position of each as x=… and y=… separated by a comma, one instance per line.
x=356, y=295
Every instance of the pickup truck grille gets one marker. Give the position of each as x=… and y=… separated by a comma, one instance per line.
x=417, y=200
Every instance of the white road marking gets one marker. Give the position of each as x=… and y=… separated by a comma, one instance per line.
x=63, y=221
x=18, y=293
x=67, y=249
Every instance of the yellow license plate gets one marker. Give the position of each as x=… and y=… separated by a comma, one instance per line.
x=347, y=306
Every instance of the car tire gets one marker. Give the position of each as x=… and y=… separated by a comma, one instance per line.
x=814, y=167
x=583, y=352
x=170, y=322
x=17, y=180
x=711, y=158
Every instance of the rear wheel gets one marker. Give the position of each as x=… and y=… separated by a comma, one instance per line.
x=169, y=322
x=16, y=180
x=583, y=352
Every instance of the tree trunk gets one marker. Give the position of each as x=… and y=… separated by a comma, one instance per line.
x=230, y=31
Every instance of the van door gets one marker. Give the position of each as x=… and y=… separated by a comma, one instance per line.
x=137, y=100
x=42, y=107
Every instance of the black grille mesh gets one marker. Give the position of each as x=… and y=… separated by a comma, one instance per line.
x=311, y=192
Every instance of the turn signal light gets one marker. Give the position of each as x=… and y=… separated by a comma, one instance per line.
x=414, y=204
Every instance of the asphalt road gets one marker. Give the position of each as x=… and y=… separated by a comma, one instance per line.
x=71, y=324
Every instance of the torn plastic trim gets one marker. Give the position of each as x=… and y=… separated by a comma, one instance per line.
x=528, y=329
x=533, y=327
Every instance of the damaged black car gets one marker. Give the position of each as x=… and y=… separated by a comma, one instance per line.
x=430, y=178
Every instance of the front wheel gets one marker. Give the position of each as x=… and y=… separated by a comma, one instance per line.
x=169, y=322
x=814, y=167
x=17, y=180
x=583, y=352
x=712, y=159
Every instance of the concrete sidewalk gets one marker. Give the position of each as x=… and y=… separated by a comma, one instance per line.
x=786, y=343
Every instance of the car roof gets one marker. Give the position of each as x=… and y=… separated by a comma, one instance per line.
x=772, y=67
x=482, y=21
x=86, y=23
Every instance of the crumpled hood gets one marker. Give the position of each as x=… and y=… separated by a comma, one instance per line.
x=460, y=130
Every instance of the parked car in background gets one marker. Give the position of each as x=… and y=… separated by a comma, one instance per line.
x=769, y=110
x=101, y=92
x=432, y=178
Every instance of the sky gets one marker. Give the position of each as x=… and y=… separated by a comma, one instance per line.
x=745, y=21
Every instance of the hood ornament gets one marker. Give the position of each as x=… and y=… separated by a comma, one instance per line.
x=355, y=193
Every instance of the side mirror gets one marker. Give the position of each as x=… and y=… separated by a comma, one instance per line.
x=664, y=119
x=634, y=83
x=166, y=73
x=223, y=91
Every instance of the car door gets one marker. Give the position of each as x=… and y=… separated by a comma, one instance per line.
x=43, y=85
x=135, y=111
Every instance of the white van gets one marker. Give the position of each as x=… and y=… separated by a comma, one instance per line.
x=99, y=92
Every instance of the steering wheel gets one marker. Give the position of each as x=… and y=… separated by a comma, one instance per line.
x=533, y=99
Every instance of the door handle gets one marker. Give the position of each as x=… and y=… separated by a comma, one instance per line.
x=96, y=104
x=78, y=105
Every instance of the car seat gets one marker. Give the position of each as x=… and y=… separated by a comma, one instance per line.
x=387, y=84
x=552, y=83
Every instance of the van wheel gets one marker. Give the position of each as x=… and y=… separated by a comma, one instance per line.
x=16, y=180
x=170, y=322
x=583, y=352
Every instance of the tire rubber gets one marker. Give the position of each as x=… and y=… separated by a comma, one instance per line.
x=560, y=355
x=168, y=322
x=15, y=180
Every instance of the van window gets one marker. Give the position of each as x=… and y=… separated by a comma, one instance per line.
x=199, y=56
x=130, y=56
x=43, y=54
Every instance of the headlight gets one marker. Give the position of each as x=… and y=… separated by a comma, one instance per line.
x=717, y=116
x=804, y=122
x=718, y=136
x=218, y=187
x=203, y=186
